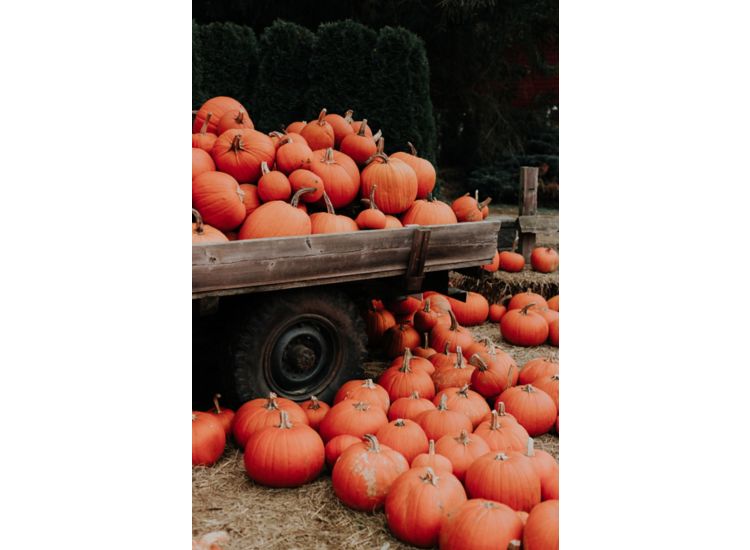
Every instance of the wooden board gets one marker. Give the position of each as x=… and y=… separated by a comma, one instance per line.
x=538, y=224
x=288, y=262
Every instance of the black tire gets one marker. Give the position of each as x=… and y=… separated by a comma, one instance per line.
x=296, y=343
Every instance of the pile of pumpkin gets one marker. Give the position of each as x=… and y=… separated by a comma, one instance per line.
x=447, y=469
x=543, y=259
x=249, y=185
x=427, y=323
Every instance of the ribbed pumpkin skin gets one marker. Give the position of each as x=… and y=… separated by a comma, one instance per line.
x=523, y=299
x=542, y=531
x=547, y=469
x=544, y=260
x=341, y=127
x=455, y=377
x=502, y=435
x=285, y=455
x=257, y=414
x=540, y=367
x=453, y=334
x=363, y=390
x=480, y=524
x=443, y=421
x=415, y=363
x=315, y=410
x=275, y=219
x=419, y=501
x=323, y=222
x=405, y=436
x=425, y=212
x=554, y=303
x=295, y=127
x=219, y=200
x=250, y=199
x=217, y=106
x=410, y=407
x=274, y=186
x=209, y=439
x=353, y=418
x=337, y=180
x=466, y=209
x=464, y=400
x=472, y=312
x=396, y=184
x=293, y=155
x=548, y=314
x=509, y=478
x=462, y=451
x=554, y=333
x=223, y=415
x=495, y=372
x=511, y=262
x=534, y=409
x=208, y=235
x=359, y=148
x=399, y=337
x=365, y=472
x=402, y=380
x=524, y=327
x=241, y=152
x=318, y=133
x=377, y=321
x=496, y=312
x=551, y=386
x=204, y=139
x=234, y=119
x=202, y=162
x=338, y=445
x=426, y=318
x=425, y=171
x=404, y=306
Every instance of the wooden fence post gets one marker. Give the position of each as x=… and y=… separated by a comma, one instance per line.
x=527, y=207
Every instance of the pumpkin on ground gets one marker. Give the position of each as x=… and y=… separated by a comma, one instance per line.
x=363, y=390
x=546, y=468
x=205, y=234
x=241, y=152
x=494, y=265
x=539, y=367
x=365, y=472
x=423, y=168
x=352, y=417
x=319, y=133
x=217, y=106
x=473, y=311
x=405, y=305
x=209, y=439
x=551, y=386
x=443, y=421
x=525, y=298
x=495, y=372
x=452, y=334
x=502, y=435
x=329, y=221
x=338, y=445
x=534, y=409
x=219, y=199
x=461, y=450
x=496, y=312
x=202, y=162
x=464, y=400
x=410, y=407
x=457, y=376
x=542, y=531
x=433, y=460
x=425, y=352
x=273, y=185
x=509, y=478
x=316, y=410
x=285, y=454
x=405, y=436
x=337, y=180
x=223, y=415
x=260, y=413
x=277, y=219
x=512, y=262
x=480, y=524
x=418, y=503
x=501, y=413
x=428, y=211
x=396, y=181
x=377, y=321
x=554, y=303
x=399, y=337
x=554, y=333
x=426, y=318
x=524, y=327
x=445, y=359
x=544, y=259
x=402, y=381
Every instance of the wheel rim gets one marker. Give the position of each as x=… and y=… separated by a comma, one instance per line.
x=301, y=355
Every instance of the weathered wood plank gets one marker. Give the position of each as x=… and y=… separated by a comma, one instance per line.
x=527, y=207
x=288, y=262
x=538, y=224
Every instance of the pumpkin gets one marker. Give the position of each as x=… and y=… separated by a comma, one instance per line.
x=396, y=181
x=296, y=127
x=342, y=126
x=364, y=473
x=401, y=380
x=205, y=234
x=329, y=221
x=392, y=222
x=523, y=515
x=319, y=133
x=539, y=367
x=513, y=262
x=439, y=301
x=273, y=185
x=399, y=337
x=209, y=439
x=261, y=413
x=473, y=311
x=496, y=312
x=452, y=334
x=364, y=390
x=425, y=352
x=316, y=410
x=250, y=197
x=433, y=460
x=502, y=435
x=426, y=318
x=404, y=305
x=357, y=124
x=405, y=436
x=359, y=146
x=525, y=298
x=480, y=524
x=419, y=501
x=377, y=322
x=202, y=162
x=461, y=450
x=467, y=209
x=495, y=372
x=467, y=401
x=554, y=333
x=501, y=413
x=217, y=106
x=534, y=409
x=234, y=119
x=337, y=180
x=456, y=376
x=224, y=416
x=219, y=200
x=352, y=417
x=544, y=260
x=371, y=217
x=524, y=327
x=428, y=212
x=551, y=386
x=542, y=531
x=204, y=139
x=424, y=170
x=477, y=346
x=554, y=303
x=509, y=478
x=443, y=421
x=494, y=265
x=338, y=445
x=548, y=314
x=415, y=363
x=277, y=219
x=443, y=360
x=546, y=468
x=410, y=407
x=306, y=179
x=280, y=138
x=285, y=454
x=293, y=155
x=241, y=152
x=483, y=206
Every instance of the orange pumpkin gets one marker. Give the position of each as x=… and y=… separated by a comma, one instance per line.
x=223, y=415
x=342, y=126
x=338, y=445
x=205, y=234
x=494, y=265
x=396, y=181
x=250, y=197
x=433, y=460
x=473, y=311
x=377, y=321
x=329, y=221
x=512, y=262
x=538, y=367
x=554, y=303
x=360, y=147
x=545, y=259
x=453, y=334
x=410, y=407
x=429, y=212
x=509, y=478
x=392, y=222
x=363, y=390
x=219, y=199
x=305, y=179
x=371, y=217
x=355, y=418
x=277, y=219
x=542, y=531
x=399, y=337
x=316, y=410
x=234, y=119
x=554, y=333
x=480, y=524
x=546, y=468
x=319, y=133
x=423, y=168
x=217, y=106
x=257, y=414
x=273, y=185
x=502, y=435
x=405, y=436
x=495, y=372
x=534, y=409
x=443, y=421
x=402, y=381
x=241, y=152
x=524, y=327
x=461, y=450
x=202, y=162
x=204, y=139
x=467, y=401
x=525, y=298
x=496, y=312
x=209, y=439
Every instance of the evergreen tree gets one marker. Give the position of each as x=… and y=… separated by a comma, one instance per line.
x=283, y=75
x=340, y=67
x=198, y=96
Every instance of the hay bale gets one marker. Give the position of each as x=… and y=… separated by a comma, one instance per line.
x=495, y=286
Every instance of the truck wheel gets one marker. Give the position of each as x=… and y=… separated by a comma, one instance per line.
x=297, y=344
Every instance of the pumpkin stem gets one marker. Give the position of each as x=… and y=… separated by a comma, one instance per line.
x=373, y=441
x=272, y=403
x=204, y=127
x=329, y=205
x=379, y=153
x=237, y=143
x=322, y=116
x=525, y=309
x=216, y=403
x=476, y=195
x=405, y=364
x=427, y=336
x=463, y=438
x=459, y=359
x=400, y=422
x=277, y=134
x=530, y=447
x=240, y=118
x=431, y=448
x=195, y=417
x=430, y=477
x=501, y=408
x=377, y=136
x=463, y=391
x=426, y=308
x=328, y=157
x=264, y=168
x=315, y=405
x=484, y=203
x=285, y=423
x=413, y=150
x=501, y=456
x=348, y=116
x=495, y=423
x=298, y=194
x=478, y=362
x=443, y=403
x=198, y=222
x=372, y=197
x=528, y=388
x=509, y=382
x=361, y=405
x=515, y=544
x=362, y=127
x=369, y=384
x=415, y=394
x=454, y=323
